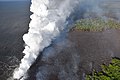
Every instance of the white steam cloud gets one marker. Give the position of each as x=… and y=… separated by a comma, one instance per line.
x=47, y=21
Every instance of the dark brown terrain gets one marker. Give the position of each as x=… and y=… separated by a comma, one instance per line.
x=77, y=55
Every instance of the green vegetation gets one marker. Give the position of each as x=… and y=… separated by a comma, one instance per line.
x=110, y=72
x=96, y=24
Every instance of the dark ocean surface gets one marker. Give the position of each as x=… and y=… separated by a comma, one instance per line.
x=14, y=20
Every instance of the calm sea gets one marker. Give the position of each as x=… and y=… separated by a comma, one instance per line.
x=14, y=20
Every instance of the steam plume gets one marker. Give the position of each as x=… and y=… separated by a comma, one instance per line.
x=47, y=21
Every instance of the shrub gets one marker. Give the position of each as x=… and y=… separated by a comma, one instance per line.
x=96, y=24
x=110, y=72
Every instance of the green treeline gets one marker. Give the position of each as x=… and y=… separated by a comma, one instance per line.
x=110, y=72
x=96, y=24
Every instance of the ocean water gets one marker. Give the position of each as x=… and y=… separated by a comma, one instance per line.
x=14, y=20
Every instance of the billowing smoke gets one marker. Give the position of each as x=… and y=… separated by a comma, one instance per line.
x=47, y=21
x=62, y=64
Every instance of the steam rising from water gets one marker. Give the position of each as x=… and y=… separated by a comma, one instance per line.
x=48, y=20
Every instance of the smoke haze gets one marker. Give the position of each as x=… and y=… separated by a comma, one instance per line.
x=49, y=19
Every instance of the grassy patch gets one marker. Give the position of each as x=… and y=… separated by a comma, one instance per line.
x=96, y=24
x=110, y=72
